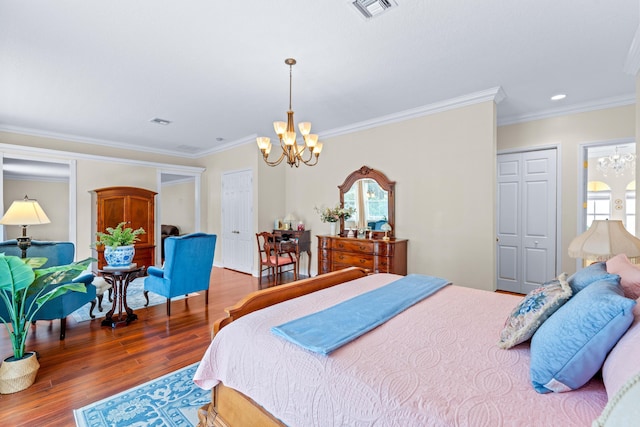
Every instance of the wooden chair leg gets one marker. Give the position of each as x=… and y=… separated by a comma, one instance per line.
x=146, y=297
x=206, y=297
x=93, y=305
x=63, y=328
x=168, y=306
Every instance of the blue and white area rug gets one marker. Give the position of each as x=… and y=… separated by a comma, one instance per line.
x=169, y=401
x=135, y=300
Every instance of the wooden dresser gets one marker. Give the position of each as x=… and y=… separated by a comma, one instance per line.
x=377, y=255
x=136, y=206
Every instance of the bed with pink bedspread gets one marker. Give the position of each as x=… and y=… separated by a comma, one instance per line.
x=435, y=364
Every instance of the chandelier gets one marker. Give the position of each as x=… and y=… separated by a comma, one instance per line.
x=295, y=153
x=617, y=163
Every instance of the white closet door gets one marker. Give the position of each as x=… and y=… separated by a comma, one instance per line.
x=526, y=219
x=237, y=215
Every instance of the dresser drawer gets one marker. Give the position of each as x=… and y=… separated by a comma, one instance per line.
x=385, y=249
x=353, y=245
x=356, y=260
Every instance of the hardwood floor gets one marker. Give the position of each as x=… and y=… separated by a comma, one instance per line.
x=94, y=362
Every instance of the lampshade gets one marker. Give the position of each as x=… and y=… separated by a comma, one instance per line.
x=25, y=212
x=385, y=227
x=603, y=240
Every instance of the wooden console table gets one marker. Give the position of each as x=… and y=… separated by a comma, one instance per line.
x=301, y=241
x=376, y=255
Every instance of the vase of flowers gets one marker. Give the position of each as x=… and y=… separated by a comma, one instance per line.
x=333, y=215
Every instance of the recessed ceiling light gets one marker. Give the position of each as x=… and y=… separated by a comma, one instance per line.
x=558, y=97
x=160, y=121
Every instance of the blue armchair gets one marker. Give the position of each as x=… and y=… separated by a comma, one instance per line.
x=187, y=267
x=57, y=253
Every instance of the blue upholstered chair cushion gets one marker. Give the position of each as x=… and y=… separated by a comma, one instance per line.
x=571, y=346
x=187, y=266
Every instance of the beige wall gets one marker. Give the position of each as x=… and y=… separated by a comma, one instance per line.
x=568, y=132
x=444, y=168
x=443, y=164
x=53, y=197
x=177, y=201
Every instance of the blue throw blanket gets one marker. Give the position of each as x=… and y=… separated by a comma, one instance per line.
x=329, y=329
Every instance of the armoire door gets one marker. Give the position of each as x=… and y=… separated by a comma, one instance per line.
x=526, y=219
x=238, y=239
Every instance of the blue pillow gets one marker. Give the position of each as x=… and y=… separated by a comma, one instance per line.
x=572, y=344
x=588, y=275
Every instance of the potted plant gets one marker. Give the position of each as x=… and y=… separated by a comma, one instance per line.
x=118, y=244
x=24, y=288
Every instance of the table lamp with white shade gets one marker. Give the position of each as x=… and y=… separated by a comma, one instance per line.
x=603, y=240
x=386, y=228
x=24, y=212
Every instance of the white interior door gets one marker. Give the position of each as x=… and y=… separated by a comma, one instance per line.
x=526, y=219
x=237, y=215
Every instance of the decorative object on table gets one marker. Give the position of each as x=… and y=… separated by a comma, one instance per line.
x=277, y=224
x=25, y=212
x=187, y=267
x=386, y=228
x=288, y=221
x=333, y=215
x=172, y=400
x=603, y=240
x=300, y=226
x=350, y=233
x=24, y=289
x=118, y=243
x=286, y=132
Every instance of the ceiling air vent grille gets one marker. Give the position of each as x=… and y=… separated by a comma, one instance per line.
x=371, y=8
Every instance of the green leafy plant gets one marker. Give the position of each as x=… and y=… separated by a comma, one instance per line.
x=24, y=288
x=119, y=236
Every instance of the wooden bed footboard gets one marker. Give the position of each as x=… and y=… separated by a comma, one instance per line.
x=230, y=408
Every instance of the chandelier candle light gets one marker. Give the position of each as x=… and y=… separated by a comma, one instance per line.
x=286, y=132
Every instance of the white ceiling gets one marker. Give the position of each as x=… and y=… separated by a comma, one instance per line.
x=98, y=71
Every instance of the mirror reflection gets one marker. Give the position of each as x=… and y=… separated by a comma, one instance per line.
x=370, y=202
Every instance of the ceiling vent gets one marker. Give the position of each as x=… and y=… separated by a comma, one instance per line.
x=371, y=8
x=160, y=121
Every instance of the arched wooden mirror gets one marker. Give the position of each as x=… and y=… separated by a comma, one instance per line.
x=372, y=195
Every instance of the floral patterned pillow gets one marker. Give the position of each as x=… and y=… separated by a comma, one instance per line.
x=533, y=310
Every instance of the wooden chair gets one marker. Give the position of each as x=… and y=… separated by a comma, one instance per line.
x=273, y=258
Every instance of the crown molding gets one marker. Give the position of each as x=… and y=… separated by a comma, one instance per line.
x=94, y=141
x=495, y=94
x=632, y=63
x=68, y=154
x=618, y=101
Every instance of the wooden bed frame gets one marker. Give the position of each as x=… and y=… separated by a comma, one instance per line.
x=230, y=408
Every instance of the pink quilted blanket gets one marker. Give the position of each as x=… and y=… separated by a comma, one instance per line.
x=435, y=364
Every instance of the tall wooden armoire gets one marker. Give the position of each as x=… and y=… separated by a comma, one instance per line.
x=134, y=205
